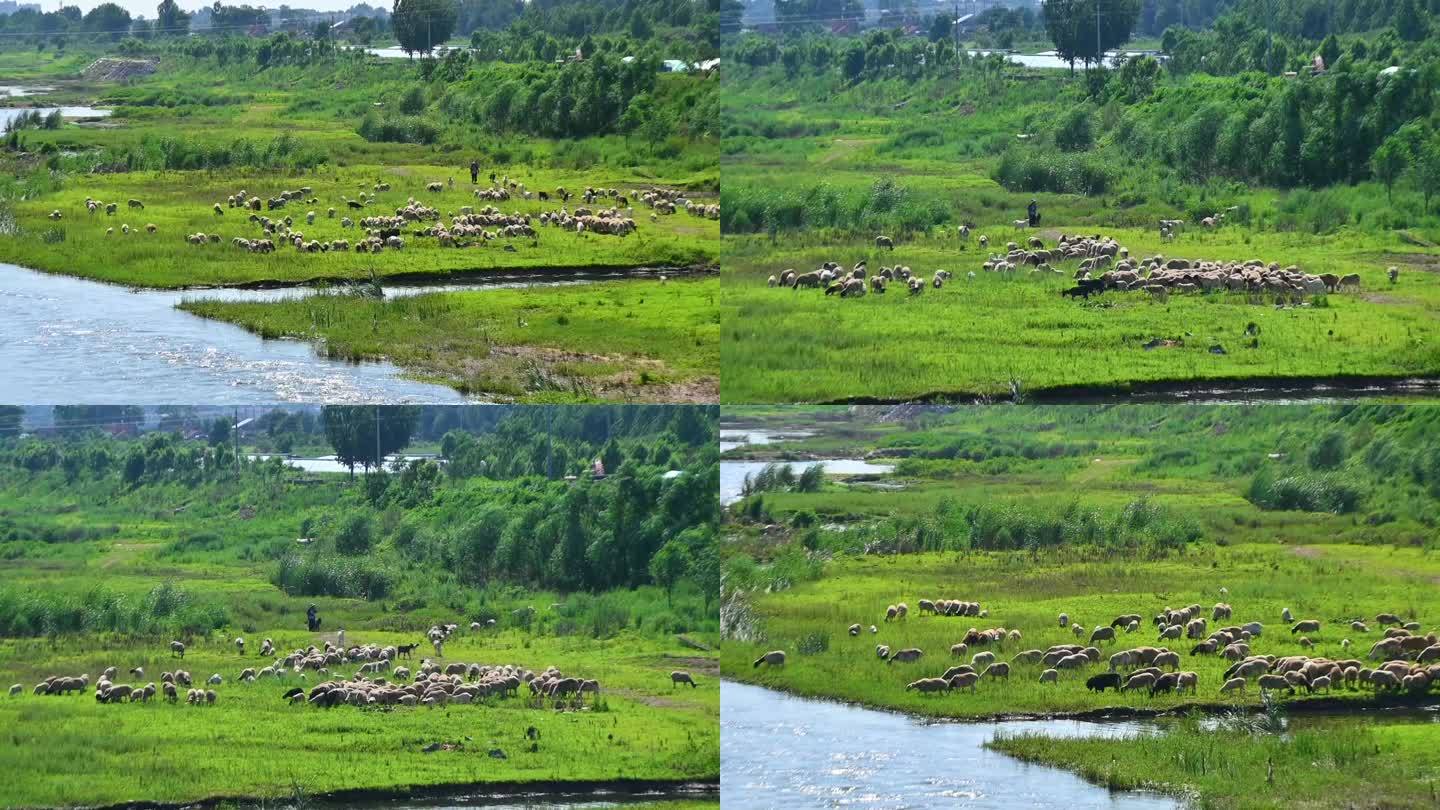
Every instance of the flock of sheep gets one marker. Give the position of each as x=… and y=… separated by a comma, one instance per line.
x=466, y=228
x=1403, y=659
x=377, y=678
x=1103, y=265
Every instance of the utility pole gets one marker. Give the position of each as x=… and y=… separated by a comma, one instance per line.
x=549, y=434
x=235, y=437
x=377, y=438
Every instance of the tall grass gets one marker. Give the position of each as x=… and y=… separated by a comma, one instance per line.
x=166, y=609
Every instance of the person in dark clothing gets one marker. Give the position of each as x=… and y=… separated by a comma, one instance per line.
x=474, y=172
x=1034, y=213
x=312, y=618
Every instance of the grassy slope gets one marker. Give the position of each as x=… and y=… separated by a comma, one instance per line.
x=633, y=339
x=179, y=204
x=72, y=751
x=871, y=347
x=1222, y=769
x=1332, y=583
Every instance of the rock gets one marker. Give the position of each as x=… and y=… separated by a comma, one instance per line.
x=496, y=753
x=1218, y=349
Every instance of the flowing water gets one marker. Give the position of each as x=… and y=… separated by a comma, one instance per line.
x=67, y=340
x=64, y=339
x=783, y=751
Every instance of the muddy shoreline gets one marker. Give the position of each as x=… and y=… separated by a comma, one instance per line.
x=476, y=794
x=1220, y=389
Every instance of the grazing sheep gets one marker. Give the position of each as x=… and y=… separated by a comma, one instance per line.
x=1307, y=626
x=1187, y=680
x=999, y=669
x=240, y=645
x=774, y=658
x=680, y=676
x=958, y=650
x=964, y=680
x=885, y=242
x=928, y=685
x=1050, y=676
x=907, y=656
x=1234, y=684
x=882, y=651
x=1064, y=619
x=1285, y=616
x=133, y=203
x=1102, y=634
x=177, y=649
x=854, y=630
x=1140, y=680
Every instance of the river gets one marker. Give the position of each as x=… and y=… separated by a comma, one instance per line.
x=8, y=114
x=64, y=339
x=732, y=473
x=782, y=751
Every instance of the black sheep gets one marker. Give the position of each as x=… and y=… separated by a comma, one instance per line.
x=1099, y=683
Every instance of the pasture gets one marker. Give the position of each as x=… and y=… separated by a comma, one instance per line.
x=816, y=167
x=1010, y=334
x=104, y=572
x=180, y=204
x=252, y=744
x=1088, y=511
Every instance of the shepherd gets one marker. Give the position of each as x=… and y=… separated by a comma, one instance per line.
x=474, y=172
x=312, y=618
x=1033, y=212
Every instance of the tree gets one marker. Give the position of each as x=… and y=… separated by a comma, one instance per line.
x=108, y=19
x=1427, y=169
x=351, y=431
x=219, y=432
x=941, y=27
x=1330, y=51
x=667, y=567
x=1071, y=26
x=420, y=25
x=854, y=61
x=354, y=535
x=171, y=20
x=1410, y=22
x=1389, y=163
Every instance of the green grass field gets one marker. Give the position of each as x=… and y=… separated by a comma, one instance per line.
x=1096, y=512
x=101, y=572
x=991, y=335
x=1335, y=583
x=66, y=751
x=816, y=167
x=180, y=204
x=630, y=340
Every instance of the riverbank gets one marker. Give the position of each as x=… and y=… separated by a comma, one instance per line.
x=633, y=340
x=1236, y=768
